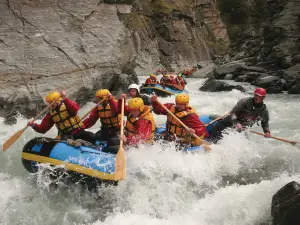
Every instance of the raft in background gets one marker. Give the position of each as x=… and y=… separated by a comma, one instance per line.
x=160, y=90
x=94, y=161
x=204, y=119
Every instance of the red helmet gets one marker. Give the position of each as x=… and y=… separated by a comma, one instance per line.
x=260, y=92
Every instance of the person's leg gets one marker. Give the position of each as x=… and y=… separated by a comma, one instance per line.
x=85, y=135
x=220, y=126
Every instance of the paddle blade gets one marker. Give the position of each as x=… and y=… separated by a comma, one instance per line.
x=12, y=140
x=120, y=165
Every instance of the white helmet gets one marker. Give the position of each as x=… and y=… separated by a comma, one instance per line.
x=134, y=86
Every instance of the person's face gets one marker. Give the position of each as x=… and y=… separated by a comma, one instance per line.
x=134, y=112
x=180, y=107
x=132, y=93
x=258, y=99
x=54, y=105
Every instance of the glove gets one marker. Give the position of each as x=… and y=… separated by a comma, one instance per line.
x=238, y=126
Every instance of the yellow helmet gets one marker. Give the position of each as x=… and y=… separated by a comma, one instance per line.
x=165, y=75
x=182, y=99
x=53, y=96
x=136, y=103
x=103, y=93
x=152, y=75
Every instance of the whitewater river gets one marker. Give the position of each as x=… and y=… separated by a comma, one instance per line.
x=232, y=185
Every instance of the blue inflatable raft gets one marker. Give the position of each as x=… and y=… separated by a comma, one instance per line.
x=94, y=161
x=204, y=119
x=160, y=90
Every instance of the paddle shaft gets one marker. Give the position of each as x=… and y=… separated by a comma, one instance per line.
x=221, y=117
x=276, y=138
x=85, y=115
x=16, y=136
x=122, y=122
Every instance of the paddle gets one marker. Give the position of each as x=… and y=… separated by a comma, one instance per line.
x=221, y=117
x=204, y=143
x=85, y=115
x=120, y=165
x=276, y=138
x=16, y=136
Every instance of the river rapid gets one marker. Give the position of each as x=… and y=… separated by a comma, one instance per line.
x=231, y=185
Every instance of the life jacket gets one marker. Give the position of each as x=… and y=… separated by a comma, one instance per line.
x=150, y=81
x=63, y=120
x=130, y=123
x=174, y=127
x=108, y=118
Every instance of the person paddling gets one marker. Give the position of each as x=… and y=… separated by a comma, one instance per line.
x=151, y=80
x=186, y=114
x=245, y=113
x=63, y=114
x=140, y=125
x=110, y=121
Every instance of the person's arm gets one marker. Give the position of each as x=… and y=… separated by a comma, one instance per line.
x=265, y=121
x=72, y=106
x=144, y=131
x=239, y=107
x=45, y=125
x=160, y=110
x=92, y=119
x=192, y=121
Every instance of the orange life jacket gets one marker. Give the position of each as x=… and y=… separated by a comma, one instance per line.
x=64, y=122
x=108, y=118
x=173, y=126
x=130, y=123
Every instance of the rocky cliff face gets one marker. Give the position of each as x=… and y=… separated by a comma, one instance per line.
x=265, y=33
x=90, y=44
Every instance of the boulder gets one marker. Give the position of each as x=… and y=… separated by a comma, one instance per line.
x=265, y=82
x=292, y=73
x=213, y=85
x=295, y=89
x=232, y=67
x=204, y=71
x=228, y=76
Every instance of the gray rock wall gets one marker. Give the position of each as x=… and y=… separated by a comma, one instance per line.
x=90, y=44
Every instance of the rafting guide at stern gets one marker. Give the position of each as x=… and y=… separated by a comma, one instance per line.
x=246, y=113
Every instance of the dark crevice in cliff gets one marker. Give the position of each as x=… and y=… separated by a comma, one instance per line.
x=68, y=12
x=1, y=41
x=19, y=32
x=93, y=11
x=62, y=51
x=15, y=13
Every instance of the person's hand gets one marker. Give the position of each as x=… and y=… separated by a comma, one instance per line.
x=30, y=123
x=109, y=97
x=238, y=126
x=123, y=138
x=191, y=131
x=154, y=98
x=63, y=94
x=267, y=135
x=123, y=96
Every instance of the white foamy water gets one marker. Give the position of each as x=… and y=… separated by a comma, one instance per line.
x=232, y=185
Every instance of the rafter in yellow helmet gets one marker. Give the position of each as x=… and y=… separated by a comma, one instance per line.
x=182, y=99
x=136, y=103
x=53, y=96
x=103, y=93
